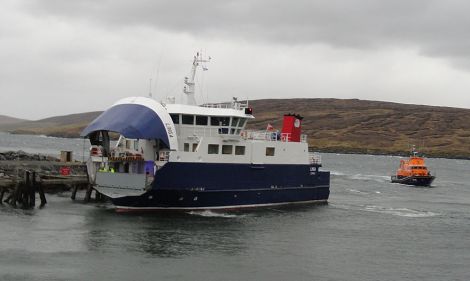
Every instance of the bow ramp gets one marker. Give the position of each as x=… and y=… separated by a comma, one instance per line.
x=136, y=118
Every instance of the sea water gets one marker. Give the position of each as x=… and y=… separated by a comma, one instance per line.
x=371, y=229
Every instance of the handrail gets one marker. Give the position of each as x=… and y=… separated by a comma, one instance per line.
x=314, y=158
x=239, y=105
x=270, y=136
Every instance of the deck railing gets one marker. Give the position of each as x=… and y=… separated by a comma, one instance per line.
x=235, y=132
x=270, y=136
x=314, y=158
x=239, y=105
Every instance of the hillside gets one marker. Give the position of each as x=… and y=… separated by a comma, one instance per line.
x=59, y=126
x=333, y=125
x=7, y=120
x=373, y=127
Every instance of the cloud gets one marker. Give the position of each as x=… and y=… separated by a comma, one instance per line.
x=435, y=25
x=62, y=57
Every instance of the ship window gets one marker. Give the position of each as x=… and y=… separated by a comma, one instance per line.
x=128, y=144
x=187, y=119
x=239, y=150
x=242, y=122
x=232, y=131
x=225, y=121
x=238, y=131
x=235, y=121
x=227, y=149
x=186, y=147
x=215, y=121
x=213, y=149
x=223, y=131
x=194, y=146
x=269, y=151
x=136, y=145
x=220, y=121
x=175, y=118
x=201, y=120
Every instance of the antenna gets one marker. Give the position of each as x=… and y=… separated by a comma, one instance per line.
x=189, y=81
x=150, y=88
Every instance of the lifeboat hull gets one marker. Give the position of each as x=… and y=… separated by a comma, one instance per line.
x=414, y=180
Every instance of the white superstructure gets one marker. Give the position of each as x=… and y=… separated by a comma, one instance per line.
x=209, y=133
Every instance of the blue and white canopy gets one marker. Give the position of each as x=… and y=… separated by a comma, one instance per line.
x=136, y=118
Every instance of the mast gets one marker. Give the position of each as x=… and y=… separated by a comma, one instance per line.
x=189, y=88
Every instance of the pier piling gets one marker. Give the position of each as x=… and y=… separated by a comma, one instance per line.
x=21, y=179
x=32, y=191
x=88, y=193
x=74, y=191
x=2, y=193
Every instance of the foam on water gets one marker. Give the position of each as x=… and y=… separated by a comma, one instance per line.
x=357, y=191
x=377, y=178
x=402, y=212
x=210, y=214
x=336, y=173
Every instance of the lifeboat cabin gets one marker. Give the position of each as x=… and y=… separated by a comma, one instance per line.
x=413, y=171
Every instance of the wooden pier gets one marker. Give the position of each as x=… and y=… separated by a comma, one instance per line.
x=21, y=180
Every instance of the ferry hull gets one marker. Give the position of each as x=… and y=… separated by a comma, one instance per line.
x=414, y=180
x=212, y=200
x=192, y=186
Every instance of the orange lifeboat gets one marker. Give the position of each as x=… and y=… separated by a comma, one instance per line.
x=413, y=171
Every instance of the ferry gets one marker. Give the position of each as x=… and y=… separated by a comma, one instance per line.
x=413, y=171
x=172, y=156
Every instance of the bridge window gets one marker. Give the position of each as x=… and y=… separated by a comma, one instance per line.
x=220, y=121
x=201, y=120
x=242, y=123
x=186, y=147
x=213, y=149
x=175, y=118
x=239, y=150
x=223, y=131
x=269, y=151
x=227, y=149
x=235, y=121
x=187, y=119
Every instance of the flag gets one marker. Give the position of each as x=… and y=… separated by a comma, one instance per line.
x=269, y=127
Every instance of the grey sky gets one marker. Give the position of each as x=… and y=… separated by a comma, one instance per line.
x=59, y=57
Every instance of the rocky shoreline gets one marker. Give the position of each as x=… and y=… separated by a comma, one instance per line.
x=14, y=164
x=444, y=154
x=24, y=156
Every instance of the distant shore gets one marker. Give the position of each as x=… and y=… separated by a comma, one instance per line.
x=443, y=155
x=340, y=150
x=347, y=126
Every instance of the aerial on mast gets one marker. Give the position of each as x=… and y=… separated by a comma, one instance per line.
x=189, y=89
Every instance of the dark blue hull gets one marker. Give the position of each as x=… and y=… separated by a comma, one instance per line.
x=225, y=186
x=414, y=180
